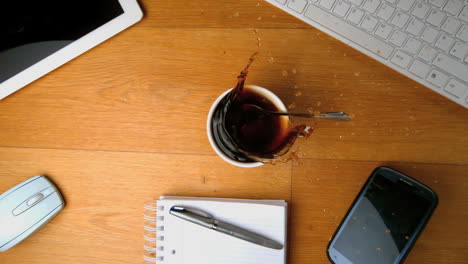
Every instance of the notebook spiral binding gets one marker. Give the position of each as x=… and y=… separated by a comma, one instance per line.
x=153, y=232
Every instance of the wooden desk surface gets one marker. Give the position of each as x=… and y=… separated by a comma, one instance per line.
x=125, y=123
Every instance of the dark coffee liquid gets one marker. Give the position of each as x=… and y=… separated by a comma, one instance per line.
x=247, y=134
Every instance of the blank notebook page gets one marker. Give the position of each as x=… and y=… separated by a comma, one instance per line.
x=186, y=242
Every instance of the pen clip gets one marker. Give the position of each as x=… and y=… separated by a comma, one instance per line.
x=193, y=215
x=182, y=209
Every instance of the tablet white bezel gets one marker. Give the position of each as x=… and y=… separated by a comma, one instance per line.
x=132, y=14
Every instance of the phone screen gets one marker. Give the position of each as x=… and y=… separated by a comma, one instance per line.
x=381, y=223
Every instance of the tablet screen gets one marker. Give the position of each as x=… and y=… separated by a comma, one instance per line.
x=32, y=30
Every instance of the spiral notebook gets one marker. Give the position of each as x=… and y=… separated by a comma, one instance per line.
x=171, y=240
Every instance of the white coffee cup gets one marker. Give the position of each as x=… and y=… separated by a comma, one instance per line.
x=260, y=90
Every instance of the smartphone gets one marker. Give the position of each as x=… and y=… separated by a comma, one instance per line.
x=384, y=220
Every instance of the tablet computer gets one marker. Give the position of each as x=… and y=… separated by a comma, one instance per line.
x=37, y=37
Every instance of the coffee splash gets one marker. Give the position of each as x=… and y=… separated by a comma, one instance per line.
x=249, y=136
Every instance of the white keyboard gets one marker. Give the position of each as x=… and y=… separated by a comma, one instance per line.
x=424, y=40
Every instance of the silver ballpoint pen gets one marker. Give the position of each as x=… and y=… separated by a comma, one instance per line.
x=201, y=218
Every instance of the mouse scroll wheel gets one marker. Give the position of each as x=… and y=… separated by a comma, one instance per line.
x=36, y=198
x=33, y=200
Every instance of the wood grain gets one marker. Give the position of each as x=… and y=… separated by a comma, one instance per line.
x=216, y=14
x=323, y=190
x=102, y=221
x=125, y=123
x=149, y=90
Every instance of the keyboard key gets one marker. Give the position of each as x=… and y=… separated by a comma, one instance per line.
x=356, y=2
x=457, y=68
x=420, y=68
x=401, y=59
x=398, y=38
x=415, y=26
x=405, y=4
x=456, y=88
x=444, y=42
x=400, y=19
x=464, y=14
x=391, y=1
x=281, y=1
x=435, y=17
x=429, y=34
x=369, y=23
x=437, y=78
x=297, y=5
x=371, y=5
x=327, y=3
x=355, y=15
x=383, y=30
x=427, y=53
x=454, y=6
x=350, y=32
x=451, y=25
x=459, y=50
x=437, y=3
x=341, y=8
x=386, y=12
x=412, y=45
x=463, y=33
x=421, y=10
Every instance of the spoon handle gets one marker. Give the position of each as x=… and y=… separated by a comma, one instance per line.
x=325, y=115
x=335, y=115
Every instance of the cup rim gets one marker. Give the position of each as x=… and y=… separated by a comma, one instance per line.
x=274, y=99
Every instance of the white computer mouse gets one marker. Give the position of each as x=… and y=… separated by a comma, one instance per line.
x=26, y=208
